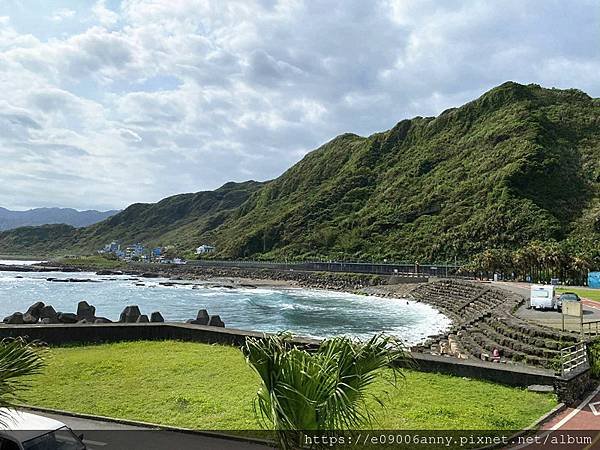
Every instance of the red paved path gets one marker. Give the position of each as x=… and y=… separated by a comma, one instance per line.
x=575, y=424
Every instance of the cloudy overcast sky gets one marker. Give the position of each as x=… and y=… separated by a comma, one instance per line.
x=105, y=103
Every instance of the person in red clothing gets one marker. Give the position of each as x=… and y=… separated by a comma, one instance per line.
x=496, y=355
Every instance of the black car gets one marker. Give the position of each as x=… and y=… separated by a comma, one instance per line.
x=567, y=297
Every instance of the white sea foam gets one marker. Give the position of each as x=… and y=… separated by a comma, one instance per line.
x=304, y=312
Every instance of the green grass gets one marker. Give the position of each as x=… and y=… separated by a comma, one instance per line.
x=211, y=387
x=592, y=294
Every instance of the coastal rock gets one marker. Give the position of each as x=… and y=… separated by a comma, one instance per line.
x=142, y=319
x=67, y=317
x=202, y=317
x=156, y=316
x=30, y=319
x=215, y=321
x=102, y=320
x=150, y=275
x=48, y=312
x=14, y=319
x=85, y=311
x=130, y=314
x=109, y=272
x=49, y=320
x=82, y=280
x=35, y=309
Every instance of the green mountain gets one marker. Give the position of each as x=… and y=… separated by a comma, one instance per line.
x=517, y=164
x=520, y=163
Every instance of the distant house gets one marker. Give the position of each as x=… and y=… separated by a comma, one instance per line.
x=134, y=251
x=113, y=247
x=203, y=249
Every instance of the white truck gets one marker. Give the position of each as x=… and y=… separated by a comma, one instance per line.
x=542, y=297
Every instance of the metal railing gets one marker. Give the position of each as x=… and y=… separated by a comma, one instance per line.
x=573, y=358
x=592, y=327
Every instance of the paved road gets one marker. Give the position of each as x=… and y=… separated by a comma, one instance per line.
x=591, y=309
x=102, y=435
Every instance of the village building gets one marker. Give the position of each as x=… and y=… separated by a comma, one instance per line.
x=203, y=249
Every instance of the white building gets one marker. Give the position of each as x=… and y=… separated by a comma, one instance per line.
x=203, y=249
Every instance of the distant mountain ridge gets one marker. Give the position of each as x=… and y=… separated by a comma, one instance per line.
x=181, y=221
x=47, y=216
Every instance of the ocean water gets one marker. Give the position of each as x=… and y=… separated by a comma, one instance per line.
x=304, y=312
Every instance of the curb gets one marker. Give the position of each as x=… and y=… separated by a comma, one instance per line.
x=549, y=415
x=154, y=426
x=534, y=426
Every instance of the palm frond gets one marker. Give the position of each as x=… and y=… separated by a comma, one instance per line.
x=322, y=390
x=18, y=360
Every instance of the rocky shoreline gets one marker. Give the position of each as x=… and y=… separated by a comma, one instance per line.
x=378, y=285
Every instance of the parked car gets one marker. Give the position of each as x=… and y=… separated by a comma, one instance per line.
x=20, y=430
x=567, y=297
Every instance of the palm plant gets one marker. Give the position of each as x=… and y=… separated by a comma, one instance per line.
x=324, y=389
x=18, y=360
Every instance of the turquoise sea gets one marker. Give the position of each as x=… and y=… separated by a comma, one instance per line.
x=304, y=312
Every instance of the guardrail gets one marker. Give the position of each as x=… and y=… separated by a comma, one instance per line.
x=444, y=270
x=574, y=358
x=595, y=329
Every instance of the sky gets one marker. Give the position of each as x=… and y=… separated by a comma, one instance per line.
x=104, y=103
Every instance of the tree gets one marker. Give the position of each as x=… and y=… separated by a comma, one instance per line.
x=321, y=390
x=18, y=360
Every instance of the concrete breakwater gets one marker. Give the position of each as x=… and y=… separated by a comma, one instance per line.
x=483, y=321
x=40, y=313
x=318, y=280
x=349, y=282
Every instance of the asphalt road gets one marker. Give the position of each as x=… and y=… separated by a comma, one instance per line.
x=102, y=435
x=591, y=309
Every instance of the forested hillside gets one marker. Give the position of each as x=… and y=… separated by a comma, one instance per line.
x=520, y=163
x=517, y=165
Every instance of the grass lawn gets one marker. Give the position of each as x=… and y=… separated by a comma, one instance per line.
x=592, y=294
x=210, y=387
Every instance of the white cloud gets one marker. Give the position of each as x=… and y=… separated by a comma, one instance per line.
x=104, y=15
x=194, y=93
x=62, y=14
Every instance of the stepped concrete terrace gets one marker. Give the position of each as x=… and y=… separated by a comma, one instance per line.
x=483, y=320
